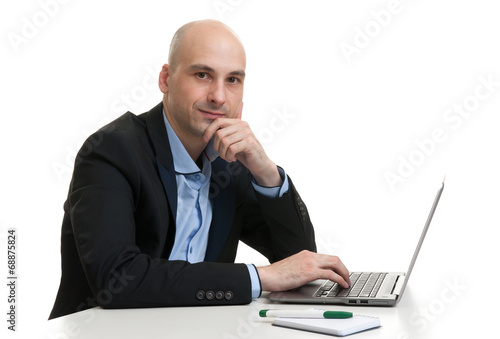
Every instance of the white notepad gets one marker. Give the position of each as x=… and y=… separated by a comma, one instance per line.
x=338, y=327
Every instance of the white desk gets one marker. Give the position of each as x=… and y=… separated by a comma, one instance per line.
x=406, y=320
x=190, y=322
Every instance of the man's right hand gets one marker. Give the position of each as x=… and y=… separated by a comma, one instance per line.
x=300, y=269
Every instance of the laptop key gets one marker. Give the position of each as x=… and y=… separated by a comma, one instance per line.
x=380, y=279
x=334, y=291
x=344, y=292
x=362, y=285
x=358, y=286
x=328, y=285
x=370, y=284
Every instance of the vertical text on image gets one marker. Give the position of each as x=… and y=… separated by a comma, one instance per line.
x=12, y=312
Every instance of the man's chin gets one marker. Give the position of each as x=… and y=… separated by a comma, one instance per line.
x=202, y=127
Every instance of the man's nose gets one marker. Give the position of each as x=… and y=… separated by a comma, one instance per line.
x=217, y=94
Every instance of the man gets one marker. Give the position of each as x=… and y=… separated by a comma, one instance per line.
x=158, y=202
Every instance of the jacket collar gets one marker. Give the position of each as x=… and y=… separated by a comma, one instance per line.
x=158, y=135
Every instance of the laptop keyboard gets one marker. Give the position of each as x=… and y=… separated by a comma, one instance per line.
x=363, y=285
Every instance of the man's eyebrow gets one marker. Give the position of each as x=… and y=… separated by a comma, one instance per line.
x=200, y=67
x=238, y=73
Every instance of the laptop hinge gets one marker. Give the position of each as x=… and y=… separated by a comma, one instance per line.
x=399, y=285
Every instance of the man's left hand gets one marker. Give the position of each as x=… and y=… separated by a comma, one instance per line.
x=234, y=140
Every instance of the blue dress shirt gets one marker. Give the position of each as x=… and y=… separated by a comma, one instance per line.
x=194, y=207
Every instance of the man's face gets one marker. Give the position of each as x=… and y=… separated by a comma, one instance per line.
x=206, y=83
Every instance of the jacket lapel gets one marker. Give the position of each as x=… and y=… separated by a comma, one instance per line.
x=222, y=195
x=159, y=138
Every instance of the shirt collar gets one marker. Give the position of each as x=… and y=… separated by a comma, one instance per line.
x=183, y=163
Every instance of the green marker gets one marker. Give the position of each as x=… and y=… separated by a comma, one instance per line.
x=314, y=313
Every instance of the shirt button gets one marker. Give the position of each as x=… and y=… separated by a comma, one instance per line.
x=197, y=177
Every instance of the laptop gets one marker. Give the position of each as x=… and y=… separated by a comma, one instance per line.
x=367, y=288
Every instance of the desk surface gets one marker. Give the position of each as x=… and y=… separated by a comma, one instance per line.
x=409, y=319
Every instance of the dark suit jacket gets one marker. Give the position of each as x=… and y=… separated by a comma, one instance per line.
x=119, y=225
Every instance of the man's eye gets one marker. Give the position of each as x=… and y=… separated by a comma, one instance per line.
x=233, y=80
x=202, y=75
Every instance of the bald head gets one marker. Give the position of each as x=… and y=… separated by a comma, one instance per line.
x=193, y=33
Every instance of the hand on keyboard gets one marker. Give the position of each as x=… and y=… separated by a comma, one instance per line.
x=302, y=268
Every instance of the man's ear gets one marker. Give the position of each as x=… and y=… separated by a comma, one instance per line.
x=162, y=80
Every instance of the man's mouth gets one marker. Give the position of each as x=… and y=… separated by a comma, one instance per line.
x=212, y=114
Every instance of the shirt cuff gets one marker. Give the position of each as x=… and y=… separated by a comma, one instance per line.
x=273, y=192
x=254, y=278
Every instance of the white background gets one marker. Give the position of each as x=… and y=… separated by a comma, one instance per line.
x=337, y=123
